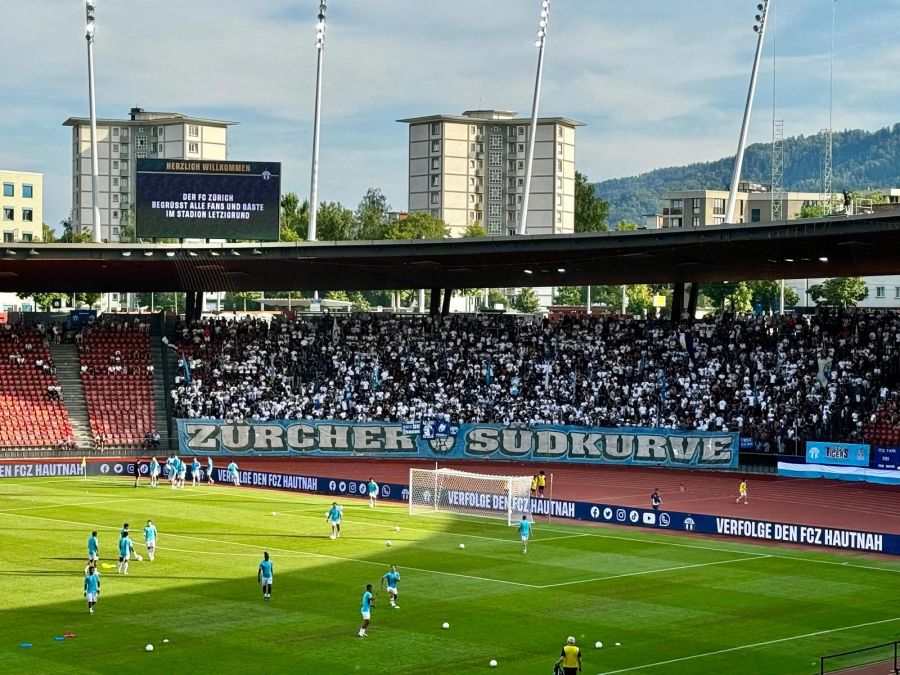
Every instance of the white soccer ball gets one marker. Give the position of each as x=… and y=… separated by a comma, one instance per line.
x=149, y=648
x=274, y=513
x=598, y=644
x=166, y=640
x=446, y=625
x=388, y=543
x=618, y=644
x=462, y=545
x=140, y=559
x=397, y=529
x=493, y=663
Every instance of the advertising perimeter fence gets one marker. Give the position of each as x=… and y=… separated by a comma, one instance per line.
x=884, y=654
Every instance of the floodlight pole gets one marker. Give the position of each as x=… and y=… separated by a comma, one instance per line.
x=535, y=104
x=314, y=173
x=90, y=7
x=760, y=28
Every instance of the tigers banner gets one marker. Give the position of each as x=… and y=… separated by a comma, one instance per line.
x=442, y=440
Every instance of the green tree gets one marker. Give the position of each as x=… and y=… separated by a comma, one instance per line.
x=70, y=236
x=570, y=296
x=839, y=292
x=527, y=301
x=241, y=300
x=87, y=298
x=474, y=230
x=48, y=235
x=372, y=215
x=360, y=302
x=742, y=297
x=767, y=294
x=417, y=225
x=497, y=297
x=294, y=223
x=44, y=301
x=812, y=211
x=640, y=298
x=334, y=222
x=591, y=212
x=627, y=226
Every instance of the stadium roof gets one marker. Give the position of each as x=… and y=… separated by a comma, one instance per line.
x=827, y=247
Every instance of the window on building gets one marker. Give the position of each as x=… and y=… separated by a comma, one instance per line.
x=115, y=181
x=695, y=204
x=193, y=148
x=719, y=207
x=677, y=205
x=496, y=177
x=695, y=221
x=435, y=128
x=496, y=158
x=718, y=220
x=520, y=131
x=471, y=181
x=115, y=231
x=511, y=132
x=124, y=134
x=520, y=182
x=510, y=216
x=472, y=164
x=27, y=191
x=193, y=130
x=511, y=200
x=559, y=216
x=140, y=142
x=755, y=215
x=27, y=236
x=435, y=181
x=27, y=215
x=676, y=222
x=159, y=131
x=472, y=129
x=115, y=198
x=435, y=163
x=520, y=147
x=559, y=166
x=435, y=213
x=879, y=291
x=520, y=165
x=471, y=198
x=115, y=215
x=496, y=192
x=472, y=148
x=496, y=142
x=559, y=200
x=495, y=210
x=9, y=190
x=9, y=237
x=115, y=132
x=511, y=165
x=115, y=147
x=9, y=213
x=897, y=292
x=435, y=197
x=115, y=164
x=510, y=148
x=435, y=146
x=511, y=183
x=559, y=183
x=559, y=148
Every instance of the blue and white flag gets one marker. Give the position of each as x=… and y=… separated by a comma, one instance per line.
x=489, y=372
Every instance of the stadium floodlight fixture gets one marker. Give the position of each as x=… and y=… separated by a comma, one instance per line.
x=193, y=254
x=126, y=254
x=823, y=259
x=34, y=252
x=561, y=270
x=233, y=252
x=9, y=251
x=90, y=13
x=148, y=254
x=317, y=125
x=540, y=41
x=528, y=271
x=256, y=251
x=788, y=260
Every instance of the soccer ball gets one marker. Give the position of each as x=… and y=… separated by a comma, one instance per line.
x=140, y=559
x=462, y=545
x=598, y=644
x=149, y=648
x=493, y=663
x=397, y=529
x=387, y=543
x=274, y=513
x=446, y=625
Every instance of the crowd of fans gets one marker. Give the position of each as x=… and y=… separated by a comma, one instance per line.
x=771, y=378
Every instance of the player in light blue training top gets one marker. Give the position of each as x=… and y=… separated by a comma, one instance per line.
x=154, y=472
x=334, y=517
x=126, y=550
x=209, y=471
x=195, y=472
x=182, y=470
x=366, y=609
x=150, y=539
x=264, y=575
x=524, y=531
x=372, y=489
x=91, y=587
x=93, y=548
x=392, y=577
x=233, y=472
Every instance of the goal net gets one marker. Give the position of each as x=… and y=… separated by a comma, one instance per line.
x=467, y=493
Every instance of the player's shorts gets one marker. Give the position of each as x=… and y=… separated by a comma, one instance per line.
x=181, y=475
x=154, y=473
x=524, y=537
x=125, y=558
x=151, y=544
x=373, y=494
x=366, y=615
x=392, y=591
x=92, y=597
x=743, y=493
x=267, y=581
x=334, y=522
x=93, y=557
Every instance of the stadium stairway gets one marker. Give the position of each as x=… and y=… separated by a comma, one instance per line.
x=161, y=390
x=68, y=371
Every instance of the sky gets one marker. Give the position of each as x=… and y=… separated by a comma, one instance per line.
x=657, y=83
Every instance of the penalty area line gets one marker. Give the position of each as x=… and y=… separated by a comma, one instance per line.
x=750, y=646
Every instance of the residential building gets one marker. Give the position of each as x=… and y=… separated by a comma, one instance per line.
x=470, y=168
x=22, y=200
x=693, y=208
x=120, y=143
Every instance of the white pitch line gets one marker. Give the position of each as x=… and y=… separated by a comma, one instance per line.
x=291, y=551
x=654, y=571
x=750, y=646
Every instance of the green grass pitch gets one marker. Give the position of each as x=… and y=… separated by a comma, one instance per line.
x=673, y=604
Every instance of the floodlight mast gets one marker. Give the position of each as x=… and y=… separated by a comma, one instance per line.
x=90, y=8
x=760, y=28
x=314, y=173
x=543, y=24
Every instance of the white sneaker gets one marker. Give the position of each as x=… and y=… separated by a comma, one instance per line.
x=396, y=606
x=91, y=610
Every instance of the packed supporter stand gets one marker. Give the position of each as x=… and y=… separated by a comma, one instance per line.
x=775, y=379
x=32, y=413
x=118, y=382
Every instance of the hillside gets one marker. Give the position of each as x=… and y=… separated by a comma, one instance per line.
x=862, y=160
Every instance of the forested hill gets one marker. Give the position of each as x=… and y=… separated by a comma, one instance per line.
x=862, y=160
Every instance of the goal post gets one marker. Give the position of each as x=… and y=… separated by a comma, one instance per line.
x=467, y=493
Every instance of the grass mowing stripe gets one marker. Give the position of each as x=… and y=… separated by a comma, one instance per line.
x=750, y=646
x=292, y=551
x=656, y=571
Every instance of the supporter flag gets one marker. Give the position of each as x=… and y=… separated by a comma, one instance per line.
x=824, y=371
x=335, y=331
x=186, y=370
x=686, y=340
x=514, y=386
x=489, y=372
x=374, y=380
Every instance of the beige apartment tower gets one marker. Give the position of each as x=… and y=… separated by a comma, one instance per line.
x=21, y=200
x=120, y=143
x=470, y=168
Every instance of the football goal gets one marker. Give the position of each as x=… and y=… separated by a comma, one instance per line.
x=467, y=493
